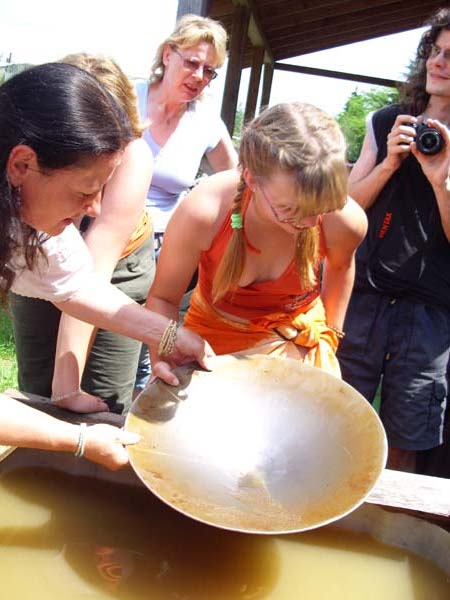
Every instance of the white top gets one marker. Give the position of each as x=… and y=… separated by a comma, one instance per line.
x=177, y=162
x=65, y=270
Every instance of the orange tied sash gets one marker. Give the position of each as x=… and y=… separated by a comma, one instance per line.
x=302, y=335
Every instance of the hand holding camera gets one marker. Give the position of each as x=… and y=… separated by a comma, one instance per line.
x=429, y=140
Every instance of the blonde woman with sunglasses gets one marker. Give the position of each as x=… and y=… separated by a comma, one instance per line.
x=182, y=126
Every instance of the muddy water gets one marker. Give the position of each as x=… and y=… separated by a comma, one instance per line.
x=72, y=538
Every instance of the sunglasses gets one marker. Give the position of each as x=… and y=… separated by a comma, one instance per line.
x=192, y=65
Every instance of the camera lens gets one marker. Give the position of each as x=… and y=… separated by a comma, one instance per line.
x=429, y=140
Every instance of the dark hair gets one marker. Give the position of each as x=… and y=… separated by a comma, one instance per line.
x=413, y=95
x=67, y=118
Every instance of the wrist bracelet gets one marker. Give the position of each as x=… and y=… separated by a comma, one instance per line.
x=81, y=441
x=65, y=396
x=340, y=334
x=169, y=337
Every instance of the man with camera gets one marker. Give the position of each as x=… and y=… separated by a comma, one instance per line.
x=398, y=319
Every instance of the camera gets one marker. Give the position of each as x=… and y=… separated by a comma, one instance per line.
x=428, y=139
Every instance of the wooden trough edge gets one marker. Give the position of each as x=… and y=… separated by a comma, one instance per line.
x=420, y=495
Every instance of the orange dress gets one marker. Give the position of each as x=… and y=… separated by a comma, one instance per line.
x=280, y=317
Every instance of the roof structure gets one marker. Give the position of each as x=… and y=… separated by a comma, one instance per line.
x=293, y=27
x=264, y=32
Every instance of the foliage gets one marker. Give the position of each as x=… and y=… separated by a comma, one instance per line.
x=238, y=124
x=8, y=365
x=353, y=118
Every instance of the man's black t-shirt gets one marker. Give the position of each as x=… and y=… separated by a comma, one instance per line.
x=405, y=252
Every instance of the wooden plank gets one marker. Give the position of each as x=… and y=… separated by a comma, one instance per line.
x=44, y=404
x=238, y=40
x=300, y=46
x=270, y=8
x=220, y=8
x=421, y=494
x=253, y=86
x=327, y=26
x=5, y=451
x=342, y=12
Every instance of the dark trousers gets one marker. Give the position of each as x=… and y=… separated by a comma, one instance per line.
x=111, y=367
x=405, y=346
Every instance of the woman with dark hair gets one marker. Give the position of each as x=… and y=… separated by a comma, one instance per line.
x=94, y=370
x=61, y=138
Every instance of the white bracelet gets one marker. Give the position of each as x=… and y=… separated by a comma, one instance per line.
x=57, y=399
x=81, y=441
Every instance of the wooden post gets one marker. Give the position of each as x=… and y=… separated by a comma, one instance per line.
x=238, y=41
x=193, y=7
x=267, y=85
x=253, y=86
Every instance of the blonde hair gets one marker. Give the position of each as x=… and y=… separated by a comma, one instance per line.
x=301, y=140
x=111, y=76
x=189, y=31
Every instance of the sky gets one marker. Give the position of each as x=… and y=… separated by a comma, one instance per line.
x=39, y=31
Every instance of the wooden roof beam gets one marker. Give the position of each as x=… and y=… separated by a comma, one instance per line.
x=337, y=75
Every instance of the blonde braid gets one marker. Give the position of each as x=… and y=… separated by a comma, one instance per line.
x=232, y=264
x=307, y=256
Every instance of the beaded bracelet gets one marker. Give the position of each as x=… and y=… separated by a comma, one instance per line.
x=339, y=333
x=57, y=399
x=81, y=441
x=169, y=337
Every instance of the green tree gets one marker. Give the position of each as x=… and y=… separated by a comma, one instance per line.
x=238, y=124
x=353, y=117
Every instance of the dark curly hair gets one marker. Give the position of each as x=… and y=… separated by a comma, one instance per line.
x=413, y=95
x=67, y=118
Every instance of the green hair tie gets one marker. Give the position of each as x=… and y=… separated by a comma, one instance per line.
x=236, y=221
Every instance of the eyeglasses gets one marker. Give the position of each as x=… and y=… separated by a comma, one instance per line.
x=192, y=65
x=289, y=220
x=435, y=51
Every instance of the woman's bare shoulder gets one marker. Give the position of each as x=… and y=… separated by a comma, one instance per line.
x=350, y=221
x=201, y=213
x=213, y=196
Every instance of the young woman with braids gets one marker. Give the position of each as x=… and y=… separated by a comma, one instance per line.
x=260, y=235
x=61, y=138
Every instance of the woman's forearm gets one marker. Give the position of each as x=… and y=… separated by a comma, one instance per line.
x=337, y=285
x=25, y=427
x=162, y=307
x=72, y=349
x=108, y=308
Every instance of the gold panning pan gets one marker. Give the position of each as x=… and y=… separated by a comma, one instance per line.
x=259, y=444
